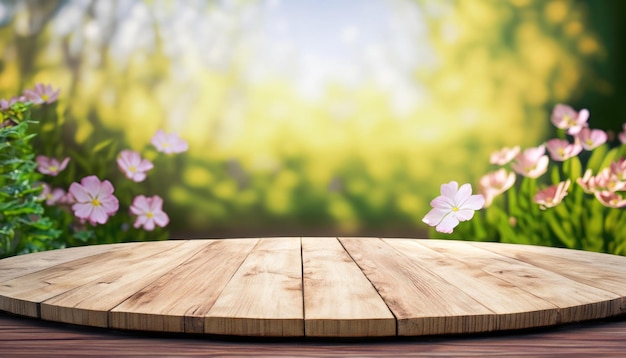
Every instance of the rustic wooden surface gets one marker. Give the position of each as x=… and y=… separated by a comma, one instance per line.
x=317, y=287
x=339, y=300
x=28, y=337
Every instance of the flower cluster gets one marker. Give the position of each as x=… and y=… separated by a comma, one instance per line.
x=607, y=184
x=533, y=163
x=91, y=199
x=522, y=174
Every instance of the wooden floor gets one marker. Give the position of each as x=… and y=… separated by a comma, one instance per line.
x=28, y=337
x=315, y=287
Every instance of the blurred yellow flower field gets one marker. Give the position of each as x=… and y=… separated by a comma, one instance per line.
x=362, y=157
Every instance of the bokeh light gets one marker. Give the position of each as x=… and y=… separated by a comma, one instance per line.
x=308, y=117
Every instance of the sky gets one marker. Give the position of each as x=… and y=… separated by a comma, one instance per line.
x=344, y=41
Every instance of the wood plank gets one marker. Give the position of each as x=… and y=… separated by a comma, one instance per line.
x=322, y=287
x=494, y=292
x=179, y=300
x=24, y=337
x=89, y=304
x=576, y=301
x=444, y=294
x=22, y=295
x=264, y=297
x=16, y=266
x=604, y=271
x=339, y=301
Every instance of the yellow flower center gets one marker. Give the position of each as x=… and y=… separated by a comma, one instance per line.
x=95, y=202
x=149, y=215
x=165, y=144
x=455, y=209
x=132, y=168
x=569, y=120
x=45, y=97
x=53, y=168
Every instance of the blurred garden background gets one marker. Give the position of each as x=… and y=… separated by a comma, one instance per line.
x=311, y=117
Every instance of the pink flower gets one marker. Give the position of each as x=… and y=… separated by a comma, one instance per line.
x=552, y=195
x=94, y=200
x=149, y=212
x=588, y=182
x=610, y=199
x=561, y=150
x=504, y=156
x=622, y=135
x=52, y=196
x=565, y=117
x=495, y=183
x=51, y=166
x=133, y=166
x=453, y=206
x=42, y=94
x=5, y=105
x=168, y=143
x=591, y=138
x=618, y=168
x=531, y=162
x=608, y=180
x=68, y=199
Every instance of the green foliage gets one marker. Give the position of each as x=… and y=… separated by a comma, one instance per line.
x=23, y=226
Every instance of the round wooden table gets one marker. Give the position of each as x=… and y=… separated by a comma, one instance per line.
x=316, y=287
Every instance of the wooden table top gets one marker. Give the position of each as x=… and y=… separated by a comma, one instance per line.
x=317, y=287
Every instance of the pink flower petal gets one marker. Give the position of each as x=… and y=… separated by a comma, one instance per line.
x=464, y=192
x=80, y=193
x=98, y=215
x=161, y=218
x=91, y=185
x=474, y=202
x=448, y=224
x=434, y=216
x=464, y=214
x=442, y=202
x=82, y=210
x=449, y=190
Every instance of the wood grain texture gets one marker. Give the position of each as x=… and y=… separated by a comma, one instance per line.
x=511, y=307
x=264, y=297
x=339, y=301
x=179, y=300
x=575, y=301
x=22, y=295
x=607, y=272
x=397, y=276
x=17, y=266
x=90, y=303
x=318, y=287
x=26, y=337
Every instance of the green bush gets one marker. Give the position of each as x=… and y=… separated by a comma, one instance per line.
x=23, y=226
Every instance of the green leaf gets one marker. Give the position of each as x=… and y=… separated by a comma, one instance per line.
x=575, y=169
x=596, y=158
x=555, y=224
x=105, y=143
x=608, y=159
x=555, y=176
x=81, y=160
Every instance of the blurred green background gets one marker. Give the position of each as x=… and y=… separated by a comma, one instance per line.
x=309, y=117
